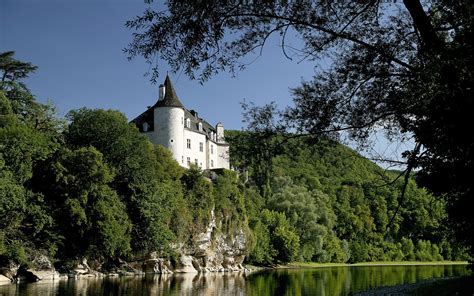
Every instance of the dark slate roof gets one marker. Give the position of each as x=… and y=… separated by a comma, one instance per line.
x=192, y=115
x=206, y=126
x=147, y=117
x=170, y=99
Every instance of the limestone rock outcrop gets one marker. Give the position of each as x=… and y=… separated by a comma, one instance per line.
x=4, y=279
x=9, y=271
x=214, y=251
x=209, y=251
x=41, y=269
x=82, y=269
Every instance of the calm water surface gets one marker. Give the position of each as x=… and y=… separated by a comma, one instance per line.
x=315, y=281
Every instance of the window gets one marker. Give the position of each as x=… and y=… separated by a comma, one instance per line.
x=188, y=159
x=200, y=164
x=182, y=159
x=145, y=126
x=200, y=126
x=196, y=161
x=188, y=123
x=212, y=149
x=188, y=143
x=182, y=120
x=212, y=163
x=201, y=147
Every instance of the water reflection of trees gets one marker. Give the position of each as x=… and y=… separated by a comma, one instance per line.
x=320, y=281
x=342, y=280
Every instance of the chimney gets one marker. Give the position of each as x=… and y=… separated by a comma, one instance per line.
x=162, y=92
x=194, y=113
x=220, y=132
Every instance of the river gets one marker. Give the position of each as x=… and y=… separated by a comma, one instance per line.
x=368, y=280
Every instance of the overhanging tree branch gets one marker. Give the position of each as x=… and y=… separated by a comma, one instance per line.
x=341, y=35
x=411, y=163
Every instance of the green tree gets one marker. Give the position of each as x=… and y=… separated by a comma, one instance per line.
x=199, y=196
x=12, y=72
x=24, y=218
x=230, y=203
x=76, y=187
x=149, y=192
x=310, y=213
x=255, y=151
x=345, y=214
x=12, y=208
x=277, y=242
x=41, y=117
x=408, y=249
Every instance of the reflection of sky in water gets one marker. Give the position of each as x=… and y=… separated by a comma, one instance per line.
x=320, y=281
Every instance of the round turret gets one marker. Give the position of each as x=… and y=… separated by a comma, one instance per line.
x=169, y=129
x=169, y=120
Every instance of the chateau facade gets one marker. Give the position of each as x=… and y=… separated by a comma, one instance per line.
x=191, y=139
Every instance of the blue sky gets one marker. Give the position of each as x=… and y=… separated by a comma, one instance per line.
x=77, y=45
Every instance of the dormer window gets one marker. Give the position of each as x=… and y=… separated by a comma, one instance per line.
x=200, y=126
x=188, y=123
x=145, y=126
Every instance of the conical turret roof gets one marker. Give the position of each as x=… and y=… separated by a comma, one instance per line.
x=170, y=99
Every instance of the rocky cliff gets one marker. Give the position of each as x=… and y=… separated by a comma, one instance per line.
x=209, y=251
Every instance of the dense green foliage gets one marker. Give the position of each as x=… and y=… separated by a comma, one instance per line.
x=341, y=205
x=94, y=187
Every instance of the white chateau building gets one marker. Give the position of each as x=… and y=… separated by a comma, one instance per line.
x=190, y=138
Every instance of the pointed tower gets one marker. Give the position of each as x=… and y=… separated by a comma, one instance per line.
x=169, y=120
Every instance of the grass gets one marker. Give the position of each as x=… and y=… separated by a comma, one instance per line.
x=378, y=263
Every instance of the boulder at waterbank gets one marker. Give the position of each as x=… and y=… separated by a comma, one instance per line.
x=4, y=280
x=9, y=270
x=42, y=269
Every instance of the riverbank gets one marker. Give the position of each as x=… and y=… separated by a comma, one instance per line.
x=296, y=265
x=377, y=280
x=378, y=263
x=84, y=271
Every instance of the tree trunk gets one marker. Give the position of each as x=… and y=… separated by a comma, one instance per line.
x=421, y=21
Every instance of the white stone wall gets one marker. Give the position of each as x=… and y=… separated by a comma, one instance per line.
x=168, y=130
x=223, y=157
x=194, y=152
x=212, y=155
